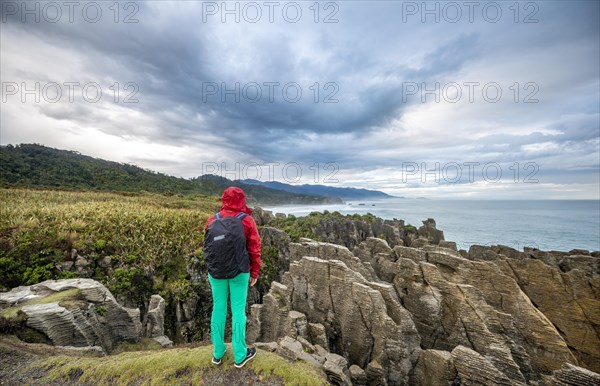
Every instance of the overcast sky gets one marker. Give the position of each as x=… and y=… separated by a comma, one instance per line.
x=448, y=99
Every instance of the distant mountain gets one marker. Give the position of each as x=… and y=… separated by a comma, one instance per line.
x=37, y=166
x=322, y=190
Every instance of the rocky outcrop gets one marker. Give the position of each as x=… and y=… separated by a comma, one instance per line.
x=262, y=217
x=72, y=312
x=362, y=321
x=430, y=233
x=435, y=367
x=342, y=230
x=564, y=286
x=327, y=251
x=373, y=312
x=570, y=375
x=475, y=304
x=346, y=232
x=570, y=301
x=155, y=321
x=475, y=369
x=294, y=349
x=434, y=315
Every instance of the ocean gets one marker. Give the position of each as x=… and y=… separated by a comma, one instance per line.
x=559, y=225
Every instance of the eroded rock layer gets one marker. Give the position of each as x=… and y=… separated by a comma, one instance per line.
x=435, y=315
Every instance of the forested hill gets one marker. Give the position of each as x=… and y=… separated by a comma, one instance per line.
x=37, y=166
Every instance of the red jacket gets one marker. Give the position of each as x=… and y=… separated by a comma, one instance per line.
x=234, y=202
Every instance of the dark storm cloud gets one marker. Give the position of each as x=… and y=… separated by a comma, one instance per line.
x=362, y=63
x=173, y=67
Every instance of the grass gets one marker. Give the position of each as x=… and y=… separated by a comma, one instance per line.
x=144, y=344
x=187, y=365
x=144, y=230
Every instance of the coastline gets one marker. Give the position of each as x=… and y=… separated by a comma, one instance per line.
x=559, y=225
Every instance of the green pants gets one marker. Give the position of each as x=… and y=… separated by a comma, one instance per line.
x=221, y=288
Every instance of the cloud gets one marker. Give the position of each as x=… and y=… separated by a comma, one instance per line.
x=359, y=92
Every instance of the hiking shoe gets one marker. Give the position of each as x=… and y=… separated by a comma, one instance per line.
x=251, y=353
x=216, y=361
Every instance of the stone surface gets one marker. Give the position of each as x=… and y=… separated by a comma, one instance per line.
x=352, y=311
x=570, y=301
x=163, y=340
x=570, y=375
x=317, y=335
x=448, y=244
x=90, y=318
x=155, y=317
x=261, y=216
x=481, y=316
x=336, y=370
x=429, y=232
x=455, y=301
x=474, y=369
x=328, y=251
x=83, y=266
x=154, y=326
x=357, y=376
x=269, y=346
x=335, y=366
x=435, y=368
x=289, y=348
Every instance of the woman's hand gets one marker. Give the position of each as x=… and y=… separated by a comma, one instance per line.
x=253, y=281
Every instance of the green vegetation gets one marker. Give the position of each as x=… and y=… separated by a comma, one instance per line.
x=101, y=310
x=269, y=270
x=40, y=228
x=149, y=239
x=410, y=228
x=176, y=366
x=144, y=344
x=37, y=166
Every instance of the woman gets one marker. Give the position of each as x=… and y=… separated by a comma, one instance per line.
x=232, y=256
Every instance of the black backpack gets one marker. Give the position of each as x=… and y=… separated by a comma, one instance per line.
x=225, y=253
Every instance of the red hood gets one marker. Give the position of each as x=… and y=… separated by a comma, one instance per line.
x=234, y=199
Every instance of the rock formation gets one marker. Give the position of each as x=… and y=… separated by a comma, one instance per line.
x=155, y=321
x=435, y=316
x=346, y=230
x=347, y=312
x=430, y=233
x=78, y=313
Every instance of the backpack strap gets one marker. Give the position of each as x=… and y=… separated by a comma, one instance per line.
x=240, y=215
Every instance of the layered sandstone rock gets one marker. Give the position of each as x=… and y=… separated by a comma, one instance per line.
x=88, y=316
x=155, y=321
x=435, y=315
x=362, y=321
